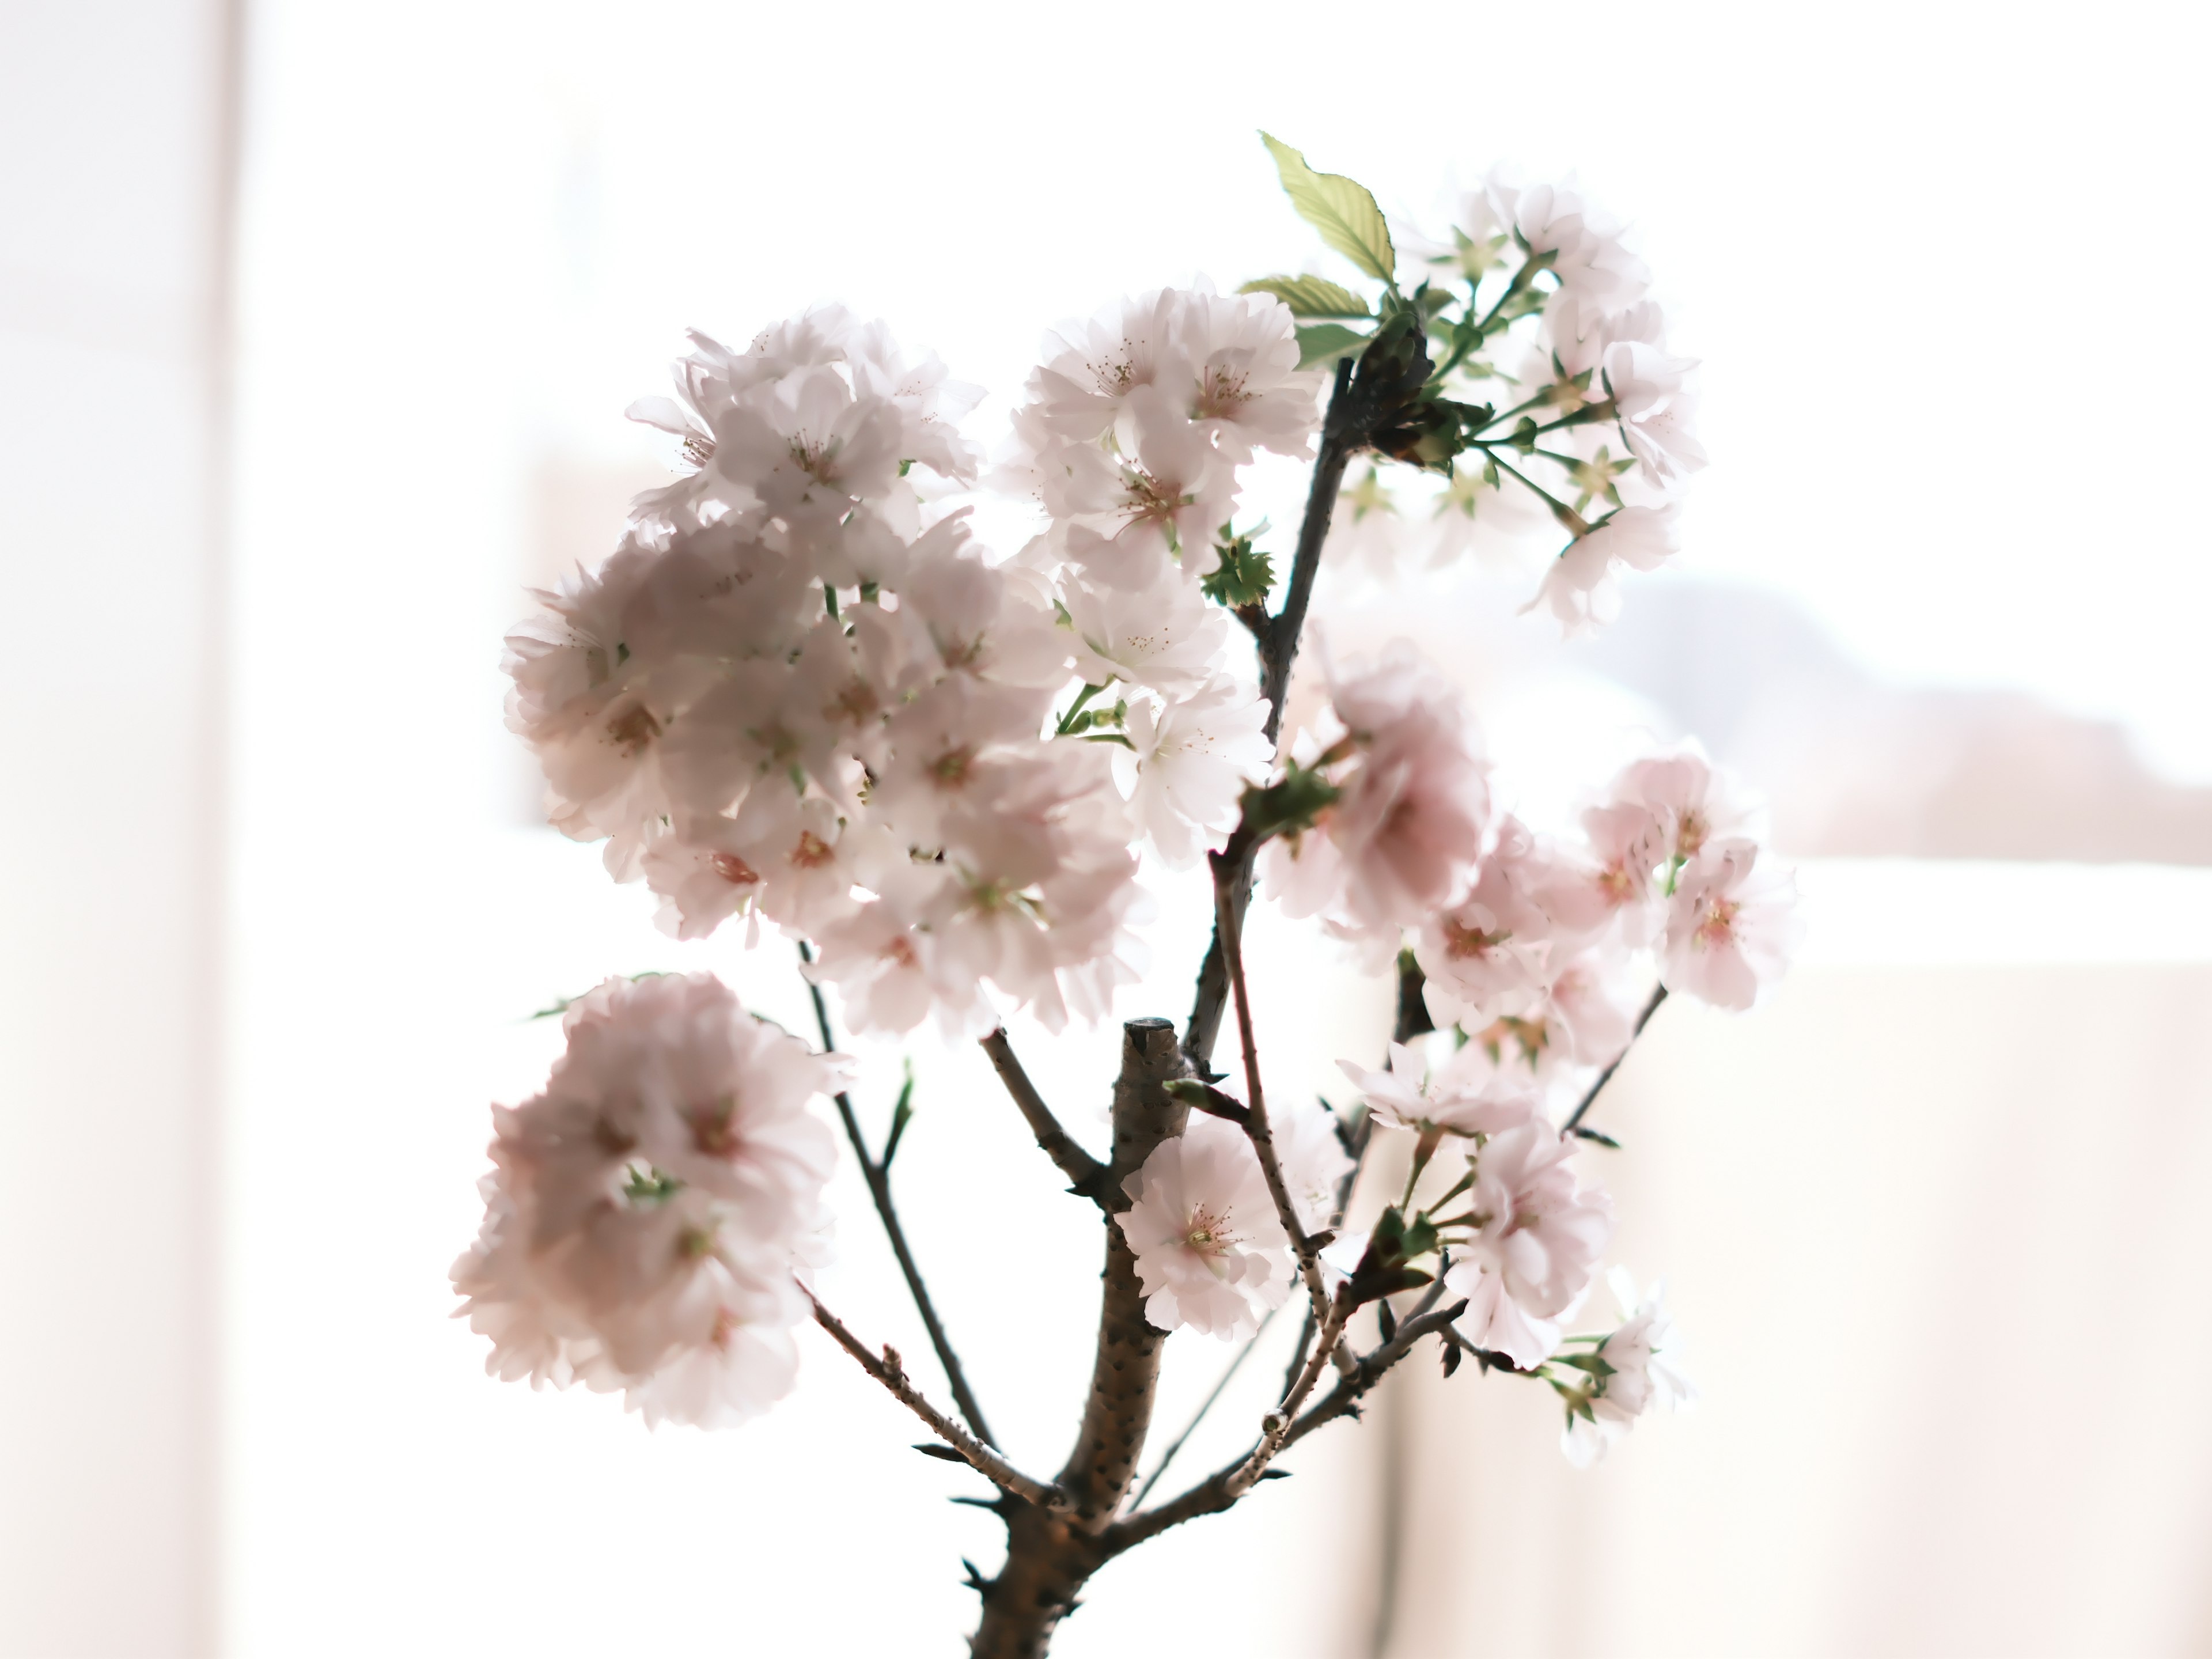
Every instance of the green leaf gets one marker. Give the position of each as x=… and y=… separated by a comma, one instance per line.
x=1311, y=296
x=1324, y=343
x=1343, y=211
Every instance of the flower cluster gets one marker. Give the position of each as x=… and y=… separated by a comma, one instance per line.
x=646, y=1214
x=1534, y=960
x=1586, y=422
x=797, y=692
x=1129, y=444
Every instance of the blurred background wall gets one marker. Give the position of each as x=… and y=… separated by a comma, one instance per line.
x=278, y=911
x=117, y=119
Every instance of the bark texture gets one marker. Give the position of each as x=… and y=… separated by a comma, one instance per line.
x=1050, y=1557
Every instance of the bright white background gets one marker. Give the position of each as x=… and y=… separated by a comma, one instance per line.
x=1943, y=264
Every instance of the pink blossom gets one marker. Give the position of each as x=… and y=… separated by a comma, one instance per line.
x=1407, y=824
x=1211, y=1252
x=1532, y=1244
x=1731, y=925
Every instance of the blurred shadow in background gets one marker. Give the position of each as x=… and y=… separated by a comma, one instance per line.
x=316, y=320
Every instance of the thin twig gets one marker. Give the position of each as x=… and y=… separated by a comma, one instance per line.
x=1205, y=1406
x=982, y=1458
x=1255, y=1105
x=1658, y=996
x=879, y=1189
x=1083, y=1172
x=1276, y=639
x=1221, y=1490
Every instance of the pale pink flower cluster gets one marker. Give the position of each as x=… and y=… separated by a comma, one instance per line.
x=1645, y=1358
x=646, y=1214
x=1408, y=820
x=1536, y=959
x=1597, y=339
x=1129, y=443
x=788, y=695
x=1138, y=420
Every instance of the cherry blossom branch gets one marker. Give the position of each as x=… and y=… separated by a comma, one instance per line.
x=987, y=1462
x=1276, y=639
x=1222, y=1490
x=1256, y=1108
x=1572, y=1126
x=878, y=1177
x=1084, y=1173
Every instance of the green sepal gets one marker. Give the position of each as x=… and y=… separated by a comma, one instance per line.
x=1289, y=806
x=1243, y=575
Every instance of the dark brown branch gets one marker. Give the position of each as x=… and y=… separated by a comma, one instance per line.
x=983, y=1459
x=1050, y=1555
x=878, y=1175
x=1658, y=996
x=1084, y=1173
x=1277, y=642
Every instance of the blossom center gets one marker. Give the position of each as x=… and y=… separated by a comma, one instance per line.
x=633, y=730
x=1461, y=941
x=1716, y=927
x=734, y=870
x=1208, y=1233
x=951, y=768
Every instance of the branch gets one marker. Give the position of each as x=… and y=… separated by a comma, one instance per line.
x=1277, y=639
x=1255, y=1120
x=1083, y=1172
x=987, y=1462
x=1658, y=996
x=1125, y=1374
x=879, y=1178
x=1222, y=1490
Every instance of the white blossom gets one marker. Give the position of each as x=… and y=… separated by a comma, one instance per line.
x=1168, y=636
x=1731, y=925
x=1588, y=254
x=1367, y=529
x=1211, y=1252
x=648, y=1210
x=1686, y=801
x=1188, y=762
x=1468, y=1095
x=1578, y=584
x=1407, y=824
x=1533, y=1245
x=1313, y=1162
x=1643, y=1357
x=1657, y=409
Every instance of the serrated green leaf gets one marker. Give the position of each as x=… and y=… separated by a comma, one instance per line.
x=1342, y=210
x=1324, y=343
x=1311, y=296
